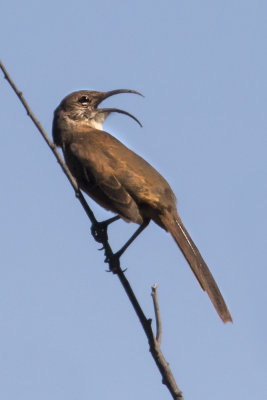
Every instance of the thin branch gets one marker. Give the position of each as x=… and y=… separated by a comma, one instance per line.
x=38, y=125
x=114, y=263
x=162, y=364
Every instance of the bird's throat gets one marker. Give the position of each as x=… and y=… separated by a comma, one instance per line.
x=95, y=124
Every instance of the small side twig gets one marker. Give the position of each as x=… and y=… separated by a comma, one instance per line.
x=163, y=366
x=154, y=343
x=157, y=313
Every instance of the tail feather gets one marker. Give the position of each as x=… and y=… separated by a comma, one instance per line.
x=197, y=264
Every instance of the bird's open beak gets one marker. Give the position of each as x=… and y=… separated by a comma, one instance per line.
x=107, y=111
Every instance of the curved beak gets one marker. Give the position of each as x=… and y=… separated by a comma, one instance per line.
x=106, y=111
x=104, y=95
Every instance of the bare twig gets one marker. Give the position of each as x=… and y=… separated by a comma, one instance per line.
x=157, y=313
x=163, y=366
x=64, y=167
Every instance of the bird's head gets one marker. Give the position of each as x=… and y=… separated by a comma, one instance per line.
x=83, y=106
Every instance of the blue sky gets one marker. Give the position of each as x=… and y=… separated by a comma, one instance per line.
x=67, y=330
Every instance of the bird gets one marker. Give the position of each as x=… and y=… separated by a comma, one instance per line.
x=121, y=181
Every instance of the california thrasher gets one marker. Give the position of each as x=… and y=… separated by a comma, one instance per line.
x=121, y=181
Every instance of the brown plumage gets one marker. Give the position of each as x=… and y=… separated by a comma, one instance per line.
x=121, y=181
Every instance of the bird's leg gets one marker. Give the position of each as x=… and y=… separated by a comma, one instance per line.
x=99, y=229
x=113, y=260
x=133, y=237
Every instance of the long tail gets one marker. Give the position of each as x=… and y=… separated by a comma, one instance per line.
x=197, y=264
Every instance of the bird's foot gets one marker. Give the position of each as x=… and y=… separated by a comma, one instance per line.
x=99, y=231
x=113, y=260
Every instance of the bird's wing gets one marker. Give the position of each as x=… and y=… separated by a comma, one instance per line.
x=96, y=177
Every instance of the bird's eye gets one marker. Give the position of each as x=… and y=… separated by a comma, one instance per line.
x=84, y=100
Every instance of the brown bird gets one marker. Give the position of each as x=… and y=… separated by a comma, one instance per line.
x=121, y=181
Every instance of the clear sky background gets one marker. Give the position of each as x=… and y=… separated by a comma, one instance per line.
x=67, y=329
